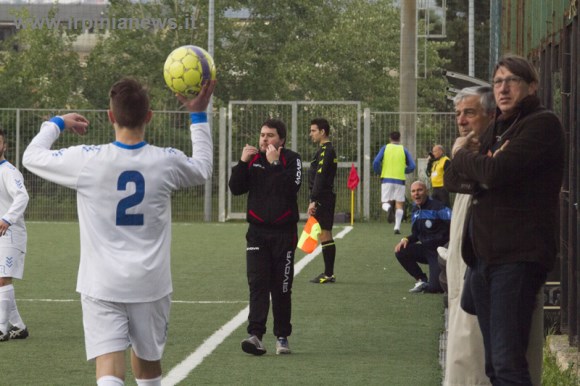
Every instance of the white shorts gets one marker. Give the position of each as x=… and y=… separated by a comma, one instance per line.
x=390, y=192
x=111, y=327
x=11, y=262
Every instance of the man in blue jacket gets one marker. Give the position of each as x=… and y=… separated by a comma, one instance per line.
x=430, y=221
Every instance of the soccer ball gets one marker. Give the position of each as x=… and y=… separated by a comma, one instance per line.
x=185, y=69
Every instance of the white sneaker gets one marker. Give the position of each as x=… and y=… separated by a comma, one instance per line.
x=282, y=346
x=253, y=345
x=420, y=286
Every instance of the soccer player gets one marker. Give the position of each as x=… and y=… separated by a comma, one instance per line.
x=124, y=207
x=322, y=196
x=13, y=202
x=271, y=175
x=392, y=162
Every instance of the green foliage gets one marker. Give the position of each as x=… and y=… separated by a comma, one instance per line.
x=38, y=68
x=264, y=50
x=552, y=374
x=457, y=32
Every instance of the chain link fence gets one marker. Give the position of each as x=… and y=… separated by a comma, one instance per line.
x=356, y=140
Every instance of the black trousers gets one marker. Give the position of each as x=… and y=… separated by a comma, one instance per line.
x=270, y=270
x=417, y=253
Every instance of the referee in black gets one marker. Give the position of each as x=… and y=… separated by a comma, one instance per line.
x=322, y=196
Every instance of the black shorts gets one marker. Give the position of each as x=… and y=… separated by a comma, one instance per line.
x=325, y=212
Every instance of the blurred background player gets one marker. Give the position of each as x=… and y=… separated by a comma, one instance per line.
x=436, y=166
x=392, y=162
x=124, y=206
x=271, y=175
x=13, y=202
x=321, y=177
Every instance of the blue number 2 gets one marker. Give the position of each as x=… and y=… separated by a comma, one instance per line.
x=124, y=218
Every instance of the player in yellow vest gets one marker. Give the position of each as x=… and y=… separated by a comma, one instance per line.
x=392, y=162
x=436, y=166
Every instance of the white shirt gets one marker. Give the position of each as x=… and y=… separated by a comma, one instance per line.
x=124, y=207
x=13, y=202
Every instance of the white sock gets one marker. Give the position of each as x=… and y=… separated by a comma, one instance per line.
x=13, y=314
x=386, y=207
x=110, y=380
x=149, y=382
x=5, y=292
x=398, y=218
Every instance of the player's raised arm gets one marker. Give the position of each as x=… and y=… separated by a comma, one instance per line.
x=201, y=101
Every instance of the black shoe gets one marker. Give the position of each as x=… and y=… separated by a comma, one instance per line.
x=397, y=232
x=18, y=333
x=323, y=279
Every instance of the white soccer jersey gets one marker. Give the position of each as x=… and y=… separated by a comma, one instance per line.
x=124, y=207
x=13, y=202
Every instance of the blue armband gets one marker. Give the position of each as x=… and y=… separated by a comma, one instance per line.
x=59, y=122
x=200, y=117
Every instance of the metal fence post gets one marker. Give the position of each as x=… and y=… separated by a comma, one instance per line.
x=222, y=172
x=367, y=163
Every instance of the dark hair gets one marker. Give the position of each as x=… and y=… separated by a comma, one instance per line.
x=519, y=66
x=395, y=136
x=278, y=125
x=129, y=103
x=3, y=134
x=322, y=125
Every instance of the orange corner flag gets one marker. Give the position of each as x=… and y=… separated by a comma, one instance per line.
x=309, y=238
x=353, y=179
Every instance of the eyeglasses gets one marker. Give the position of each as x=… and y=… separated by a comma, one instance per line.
x=509, y=81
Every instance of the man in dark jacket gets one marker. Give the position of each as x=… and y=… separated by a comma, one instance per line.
x=271, y=175
x=514, y=170
x=430, y=221
x=321, y=177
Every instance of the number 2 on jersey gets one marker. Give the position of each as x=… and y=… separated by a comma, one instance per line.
x=124, y=218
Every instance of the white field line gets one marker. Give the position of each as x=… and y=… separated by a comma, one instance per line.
x=181, y=371
x=173, y=301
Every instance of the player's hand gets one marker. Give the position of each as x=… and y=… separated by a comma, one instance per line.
x=201, y=101
x=248, y=152
x=75, y=123
x=401, y=245
x=311, y=209
x=3, y=227
x=273, y=154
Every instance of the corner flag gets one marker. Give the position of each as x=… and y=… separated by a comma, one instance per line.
x=352, y=183
x=353, y=178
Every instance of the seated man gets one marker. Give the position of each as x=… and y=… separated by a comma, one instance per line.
x=430, y=221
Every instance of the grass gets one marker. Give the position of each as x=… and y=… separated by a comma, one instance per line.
x=554, y=376
x=365, y=329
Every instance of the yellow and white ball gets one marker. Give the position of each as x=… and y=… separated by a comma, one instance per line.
x=186, y=68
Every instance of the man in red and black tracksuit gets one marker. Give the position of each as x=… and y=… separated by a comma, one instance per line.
x=271, y=175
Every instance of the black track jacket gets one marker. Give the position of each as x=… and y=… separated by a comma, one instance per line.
x=272, y=190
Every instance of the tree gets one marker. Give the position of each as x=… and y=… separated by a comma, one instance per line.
x=457, y=31
x=39, y=69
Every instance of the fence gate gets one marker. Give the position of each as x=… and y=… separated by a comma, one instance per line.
x=245, y=120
